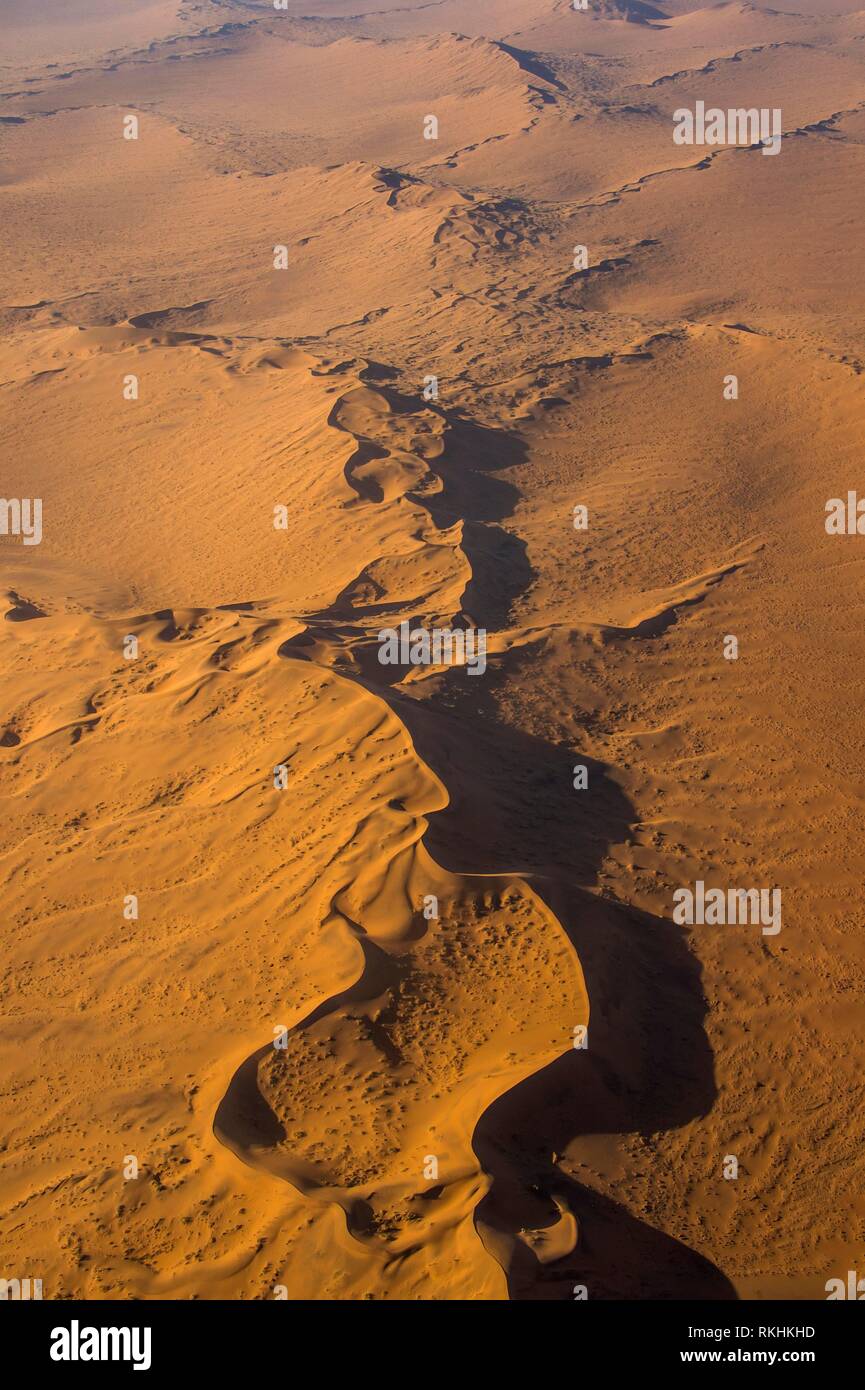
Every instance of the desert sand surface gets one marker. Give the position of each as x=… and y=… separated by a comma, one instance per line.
x=322, y=978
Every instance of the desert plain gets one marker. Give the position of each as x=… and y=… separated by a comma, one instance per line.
x=325, y=978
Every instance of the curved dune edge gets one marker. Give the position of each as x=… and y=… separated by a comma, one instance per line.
x=401, y=1031
x=406, y=1074
x=298, y=892
x=443, y=1018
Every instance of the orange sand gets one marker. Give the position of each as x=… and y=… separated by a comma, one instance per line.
x=426, y=1127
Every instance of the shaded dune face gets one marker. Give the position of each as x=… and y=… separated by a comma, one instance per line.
x=314, y=939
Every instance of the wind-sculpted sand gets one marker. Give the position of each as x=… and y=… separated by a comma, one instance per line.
x=300, y=948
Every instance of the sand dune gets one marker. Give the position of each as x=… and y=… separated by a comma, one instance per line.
x=312, y=938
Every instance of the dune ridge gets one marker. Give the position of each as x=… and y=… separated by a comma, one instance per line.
x=408, y=967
